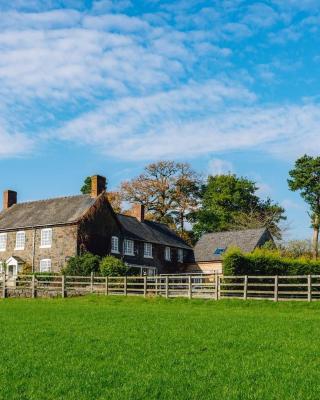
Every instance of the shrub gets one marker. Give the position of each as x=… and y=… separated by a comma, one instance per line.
x=267, y=262
x=112, y=266
x=82, y=265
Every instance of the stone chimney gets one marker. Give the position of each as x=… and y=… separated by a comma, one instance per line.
x=138, y=212
x=9, y=199
x=98, y=185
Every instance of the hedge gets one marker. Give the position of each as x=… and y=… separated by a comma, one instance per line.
x=267, y=262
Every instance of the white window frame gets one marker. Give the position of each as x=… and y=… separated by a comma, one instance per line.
x=148, y=250
x=3, y=241
x=128, y=247
x=20, y=244
x=180, y=256
x=167, y=253
x=46, y=242
x=115, y=244
x=47, y=267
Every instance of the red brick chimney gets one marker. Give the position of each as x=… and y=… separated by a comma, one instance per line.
x=9, y=199
x=138, y=212
x=98, y=185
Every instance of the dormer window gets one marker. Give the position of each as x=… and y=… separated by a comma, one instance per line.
x=219, y=250
x=46, y=238
x=20, y=240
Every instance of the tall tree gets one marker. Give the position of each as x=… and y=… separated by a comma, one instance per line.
x=230, y=202
x=113, y=197
x=305, y=178
x=167, y=189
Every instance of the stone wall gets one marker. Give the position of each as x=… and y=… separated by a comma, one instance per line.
x=64, y=244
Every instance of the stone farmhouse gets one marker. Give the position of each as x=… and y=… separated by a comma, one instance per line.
x=43, y=235
x=208, y=251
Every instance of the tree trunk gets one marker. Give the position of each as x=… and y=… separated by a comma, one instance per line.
x=315, y=240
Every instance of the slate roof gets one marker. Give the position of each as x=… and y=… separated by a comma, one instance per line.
x=62, y=210
x=246, y=240
x=150, y=231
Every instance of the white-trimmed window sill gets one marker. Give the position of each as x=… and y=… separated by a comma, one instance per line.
x=45, y=247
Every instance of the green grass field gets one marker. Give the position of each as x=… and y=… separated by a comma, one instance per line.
x=134, y=348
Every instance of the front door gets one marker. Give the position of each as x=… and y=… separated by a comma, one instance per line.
x=12, y=271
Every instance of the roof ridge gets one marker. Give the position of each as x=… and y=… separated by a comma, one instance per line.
x=49, y=199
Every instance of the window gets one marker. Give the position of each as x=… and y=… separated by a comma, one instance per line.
x=114, y=244
x=20, y=240
x=3, y=241
x=128, y=247
x=148, y=250
x=167, y=254
x=45, y=265
x=180, y=255
x=1, y=267
x=219, y=250
x=46, y=237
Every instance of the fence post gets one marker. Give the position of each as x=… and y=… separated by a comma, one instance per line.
x=309, y=288
x=276, y=284
x=217, y=287
x=63, y=286
x=167, y=286
x=125, y=285
x=33, y=286
x=107, y=286
x=4, y=285
x=91, y=282
x=245, y=288
x=190, y=286
x=145, y=286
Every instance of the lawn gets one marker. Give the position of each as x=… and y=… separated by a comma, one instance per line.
x=133, y=348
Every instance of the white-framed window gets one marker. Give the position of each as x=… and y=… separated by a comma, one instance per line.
x=46, y=237
x=180, y=255
x=114, y=244
x=20, y=240
x=3, y=241
x=148, y=250
x=167, y=254
x=128, y=247
x=45, y=265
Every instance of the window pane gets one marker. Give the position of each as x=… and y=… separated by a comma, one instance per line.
x=45, y=265
x=46, y=237
x=20, y=240
x=115, y=244
x=3, y=241
x=128, y=247
x=148, y=250
x=168, y=253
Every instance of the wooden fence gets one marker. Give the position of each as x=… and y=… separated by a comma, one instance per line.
x=277, y=288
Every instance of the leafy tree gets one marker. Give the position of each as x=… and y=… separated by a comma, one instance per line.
x=230, y=202
x=167, y=189
x=113, y=197
x=82, y=265
x=112, y=266
x=305, y=177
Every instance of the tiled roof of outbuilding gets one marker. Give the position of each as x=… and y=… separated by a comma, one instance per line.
x=62, y=210
x=150, y=231
x=246, y=240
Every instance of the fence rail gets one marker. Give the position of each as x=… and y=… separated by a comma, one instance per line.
x=277, y=288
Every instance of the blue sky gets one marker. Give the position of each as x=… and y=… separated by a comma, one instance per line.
x=106, y=86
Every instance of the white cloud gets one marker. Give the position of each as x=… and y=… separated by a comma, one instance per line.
x=13, y=144
x=216, y=166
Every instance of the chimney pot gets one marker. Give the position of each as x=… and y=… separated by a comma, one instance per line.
x=138, y=212
x=98, y=185
x=9, y=199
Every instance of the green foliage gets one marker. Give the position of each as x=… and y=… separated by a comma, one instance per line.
x=112, y=266
x=230, y=202
x=86, y=188
x=267, y=262
x=82, y=265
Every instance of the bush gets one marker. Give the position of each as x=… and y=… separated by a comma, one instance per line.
x=82, y=265
x=112, y=266
x=267, y=262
